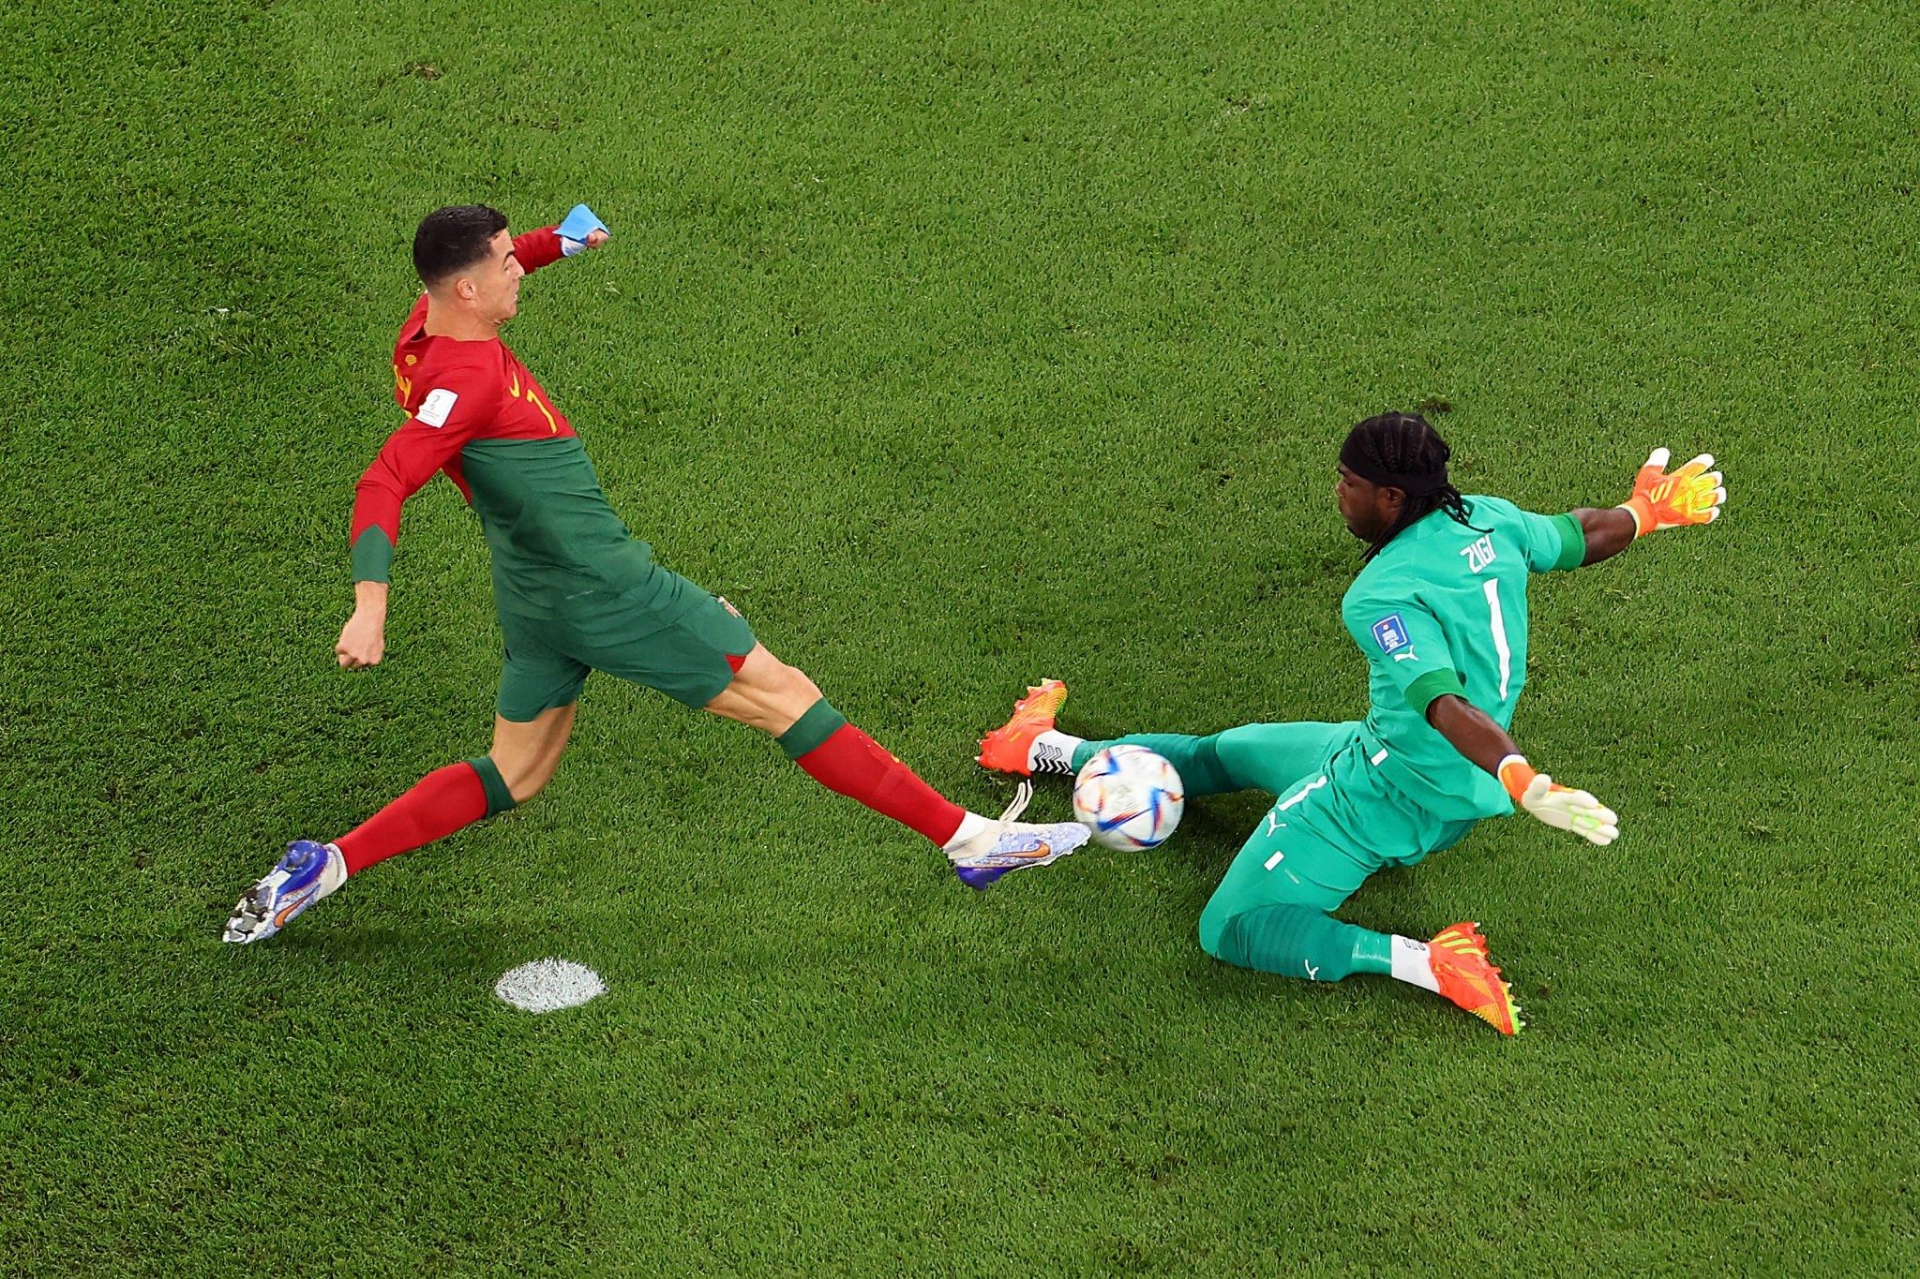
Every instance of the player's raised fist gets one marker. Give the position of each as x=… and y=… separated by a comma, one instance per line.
x=1693, y=494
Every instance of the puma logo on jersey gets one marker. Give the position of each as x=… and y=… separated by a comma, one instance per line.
x=435, y=408
x=1479, y=553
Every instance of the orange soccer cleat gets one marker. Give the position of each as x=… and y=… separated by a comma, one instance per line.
x=1458, y=957
x=1007, y=749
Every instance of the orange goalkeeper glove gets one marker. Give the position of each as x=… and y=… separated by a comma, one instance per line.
x=1560, y=807
x=1691, y=495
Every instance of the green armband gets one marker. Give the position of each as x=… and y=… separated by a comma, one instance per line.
x=372, y=555
x=1434, y=684
x=1573, y=543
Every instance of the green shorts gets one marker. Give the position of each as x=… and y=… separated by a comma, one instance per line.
x=668, y=634
x=1326, y=834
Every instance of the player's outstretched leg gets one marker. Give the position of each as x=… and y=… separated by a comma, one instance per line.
x=442, y=802
x=1267, y=756
x=841, y=757
x=1029, y=744
x=770, y=695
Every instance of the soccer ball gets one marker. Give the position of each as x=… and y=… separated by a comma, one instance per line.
x=1131, y=797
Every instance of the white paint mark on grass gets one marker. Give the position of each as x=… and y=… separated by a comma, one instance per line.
x=547, y=985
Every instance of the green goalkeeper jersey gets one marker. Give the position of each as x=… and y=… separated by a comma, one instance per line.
x=1443, y=609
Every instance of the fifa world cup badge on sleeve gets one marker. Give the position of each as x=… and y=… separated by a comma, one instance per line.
x=434, y=409
x=1390, y=633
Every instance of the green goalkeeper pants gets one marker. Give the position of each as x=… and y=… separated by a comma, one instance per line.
x=1334, y=823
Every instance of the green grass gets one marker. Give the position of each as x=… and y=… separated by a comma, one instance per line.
x=959, y=345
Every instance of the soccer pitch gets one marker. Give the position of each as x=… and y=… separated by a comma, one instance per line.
x=959, y=345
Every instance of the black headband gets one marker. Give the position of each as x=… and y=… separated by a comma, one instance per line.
x=1412, y=485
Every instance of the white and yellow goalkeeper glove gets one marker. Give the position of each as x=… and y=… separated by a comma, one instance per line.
x=1558, y=806
x=1693, y=494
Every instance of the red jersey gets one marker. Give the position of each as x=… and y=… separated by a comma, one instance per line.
x=477, y=413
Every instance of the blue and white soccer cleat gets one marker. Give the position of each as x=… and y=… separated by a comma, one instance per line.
x=1007, y=846
x=309, y=871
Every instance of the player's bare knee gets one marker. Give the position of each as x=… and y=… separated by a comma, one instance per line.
x=788, y=696
x=766, y=694
x=797, y=688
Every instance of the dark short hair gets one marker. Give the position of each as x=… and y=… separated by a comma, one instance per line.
x=454, y=238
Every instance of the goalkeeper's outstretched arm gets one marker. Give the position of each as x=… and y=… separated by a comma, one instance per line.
x=1474, y=734
x=1693, y=494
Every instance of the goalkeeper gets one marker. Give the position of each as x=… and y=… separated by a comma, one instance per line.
x=1440, y=610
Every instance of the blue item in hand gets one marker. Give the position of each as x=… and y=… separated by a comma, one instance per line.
x=579, y=223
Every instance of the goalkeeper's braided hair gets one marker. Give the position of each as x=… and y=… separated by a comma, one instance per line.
x=1401, y=450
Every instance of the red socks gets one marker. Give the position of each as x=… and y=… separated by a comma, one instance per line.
x=850, y=763
x=833, y=752
x=439, y=804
